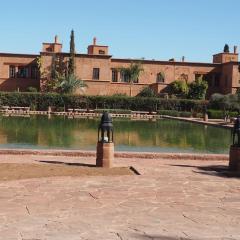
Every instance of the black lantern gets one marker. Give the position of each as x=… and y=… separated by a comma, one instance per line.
x=106, y=129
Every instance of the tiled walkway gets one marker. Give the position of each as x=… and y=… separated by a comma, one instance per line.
x=171, y=200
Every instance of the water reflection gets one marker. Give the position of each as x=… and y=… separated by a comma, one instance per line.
x=159, y=136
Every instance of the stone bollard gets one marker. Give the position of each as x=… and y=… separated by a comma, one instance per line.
x=105, y=145
x=105, y=155
x=234, y=159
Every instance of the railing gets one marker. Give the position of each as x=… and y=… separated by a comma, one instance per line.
x=72, y=113
x=13, y=108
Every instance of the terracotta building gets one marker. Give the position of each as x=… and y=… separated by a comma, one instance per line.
x=100, y=71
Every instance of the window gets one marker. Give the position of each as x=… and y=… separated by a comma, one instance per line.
x=160, y=77
x=22, y=72
x=125, y=77
x=49, y=49
x=114, y=75
x=34, y=72
x=96, y=73
x=101, y=52
x=12, y=71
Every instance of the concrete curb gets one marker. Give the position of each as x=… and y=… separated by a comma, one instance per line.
x=143, y=155
x=191, y=120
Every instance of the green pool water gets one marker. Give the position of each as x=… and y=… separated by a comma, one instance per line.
x=39, y=132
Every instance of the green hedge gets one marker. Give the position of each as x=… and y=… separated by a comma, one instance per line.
x=41, y=101
x=218, y=114
x=174, y=113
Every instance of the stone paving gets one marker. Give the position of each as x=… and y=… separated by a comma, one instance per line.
x=170, y=200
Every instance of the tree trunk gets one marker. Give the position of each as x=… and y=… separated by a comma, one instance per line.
x=130, y=89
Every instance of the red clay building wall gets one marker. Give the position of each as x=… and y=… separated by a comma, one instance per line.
x=97, y=69
x=8, y=83
x=172, y=71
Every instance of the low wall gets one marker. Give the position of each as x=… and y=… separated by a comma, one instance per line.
x=142, y=155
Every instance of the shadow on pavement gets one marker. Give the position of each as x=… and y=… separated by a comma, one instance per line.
x=68, y=164
x=212, y=170
x=134, y=170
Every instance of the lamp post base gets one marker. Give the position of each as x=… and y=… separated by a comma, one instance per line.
x=105, y=155
x=234, y=160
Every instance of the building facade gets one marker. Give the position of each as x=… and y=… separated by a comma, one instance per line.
x=101, y=72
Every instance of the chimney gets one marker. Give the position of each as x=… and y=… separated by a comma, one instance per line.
x=94, y=41
x=235, y=49
x=56, y=39
x=183, y=59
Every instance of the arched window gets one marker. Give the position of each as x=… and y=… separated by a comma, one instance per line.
x=160, y=77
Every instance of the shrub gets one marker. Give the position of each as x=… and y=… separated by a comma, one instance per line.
x=32, y=89
x=198, y=89
x=32, y=107
x=179, y=87
x=169, y=113
x=218, y=114
x=186, y=114
x=119, y=95
x=198, y=115
x=229, y=102
x=233, y=114
x=41, y=101
x=147, y=92
x=215, y=114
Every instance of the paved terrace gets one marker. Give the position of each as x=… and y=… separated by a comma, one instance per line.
x=170, y=200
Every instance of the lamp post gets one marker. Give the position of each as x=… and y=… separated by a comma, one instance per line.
x=105, y=145
x=234, y=160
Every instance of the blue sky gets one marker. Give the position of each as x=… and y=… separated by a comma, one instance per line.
x=153, y=29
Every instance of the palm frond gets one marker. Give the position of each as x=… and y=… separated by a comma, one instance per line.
x=70, y=84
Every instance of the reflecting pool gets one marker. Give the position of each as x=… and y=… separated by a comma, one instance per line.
x=164, y=135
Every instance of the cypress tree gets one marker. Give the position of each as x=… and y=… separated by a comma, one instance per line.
x=71, y=66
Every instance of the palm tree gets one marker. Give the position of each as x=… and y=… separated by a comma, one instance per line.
x=70, y=84
x=132, y=73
